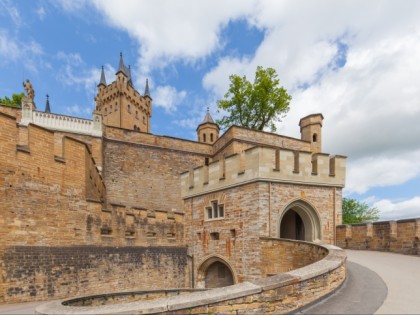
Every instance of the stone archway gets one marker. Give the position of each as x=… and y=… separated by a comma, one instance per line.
x=300, y=221
x=215, y=272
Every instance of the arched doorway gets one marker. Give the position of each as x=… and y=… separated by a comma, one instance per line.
x=214, y=272
x=300, y=221
x=218, y=275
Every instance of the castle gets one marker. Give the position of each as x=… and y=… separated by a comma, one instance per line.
x=103, y=205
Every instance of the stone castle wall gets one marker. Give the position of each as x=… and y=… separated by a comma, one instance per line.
x=400, y=236
x=251, y=211
x=58, y=238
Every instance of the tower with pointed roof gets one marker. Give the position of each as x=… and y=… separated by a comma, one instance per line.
x=208, y=130
x=120, y=104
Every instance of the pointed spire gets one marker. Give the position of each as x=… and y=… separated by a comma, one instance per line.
x=121, y=66
x=146, y=90
x=102, y=81
x=129, y=75
x=47, y=105
x=208, y=118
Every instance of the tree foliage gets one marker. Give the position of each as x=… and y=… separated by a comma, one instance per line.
x=355, y=211
x=255, y=105
x=15, y=101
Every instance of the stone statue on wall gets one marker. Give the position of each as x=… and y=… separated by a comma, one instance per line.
x=29, y=90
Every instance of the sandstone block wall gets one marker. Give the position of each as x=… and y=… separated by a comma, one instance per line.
x=277, y=294
x=11, y=111
x=237, y=139
x=57, y=237
x=279, y=256
x=45, y=272
x=146, y=176
x=251, y=211
x=400, y=236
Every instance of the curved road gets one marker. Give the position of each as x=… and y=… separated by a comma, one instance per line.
x=377, y=282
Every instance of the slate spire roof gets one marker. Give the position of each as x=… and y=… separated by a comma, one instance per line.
x=146, y=90
x=126, y=71
x=102, y=81
x=47, y=105
x=207, y=118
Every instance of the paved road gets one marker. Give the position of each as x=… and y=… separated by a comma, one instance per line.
x=378, y=282
x=401, y=274
x=384, y=283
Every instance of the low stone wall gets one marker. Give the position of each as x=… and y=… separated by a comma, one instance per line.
x=402, y=236
x=281, y=255
x=277, y=294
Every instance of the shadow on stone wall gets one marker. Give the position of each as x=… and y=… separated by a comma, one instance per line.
x=280, y=293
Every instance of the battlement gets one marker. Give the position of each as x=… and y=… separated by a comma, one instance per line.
x=265, y=164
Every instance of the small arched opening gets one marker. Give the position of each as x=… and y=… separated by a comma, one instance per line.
x=314, y=137
x=300, y=221
x=215, y=272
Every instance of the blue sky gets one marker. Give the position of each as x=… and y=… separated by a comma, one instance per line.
x=357, y=62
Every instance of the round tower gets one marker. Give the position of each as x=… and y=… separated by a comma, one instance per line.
x=208, y=130
x=310, y=130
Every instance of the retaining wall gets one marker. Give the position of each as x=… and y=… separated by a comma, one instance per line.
x=281, y=293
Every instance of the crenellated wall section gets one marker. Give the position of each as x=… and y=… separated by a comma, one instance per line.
x=400, y=236
x=267, y=164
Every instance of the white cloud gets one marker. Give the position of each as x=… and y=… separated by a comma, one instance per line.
x=71, y=5
x=371, y=105
x=378, y=171
x=14, y=50
x=168, y=97
x=41, y=13
x=9, y=9
x=170, y=31
x=391, y=210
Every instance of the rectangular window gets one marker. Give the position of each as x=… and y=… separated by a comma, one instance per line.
x=214, y=211
x=209, y=213
x=214, y=206
x=221, y=211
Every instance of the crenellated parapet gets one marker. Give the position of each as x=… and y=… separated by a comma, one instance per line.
x=265, y=164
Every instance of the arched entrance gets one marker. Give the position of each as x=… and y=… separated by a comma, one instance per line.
x=215, y=273
x=300, y=221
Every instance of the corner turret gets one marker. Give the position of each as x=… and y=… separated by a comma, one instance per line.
x=311, y=131
x=208, y=130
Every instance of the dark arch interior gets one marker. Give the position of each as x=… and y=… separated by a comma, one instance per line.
x=292, y=227
x=218, y=275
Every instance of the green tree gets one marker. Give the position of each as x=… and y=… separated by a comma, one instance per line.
x=15, y=101
x=256, y=106
x=355, y=211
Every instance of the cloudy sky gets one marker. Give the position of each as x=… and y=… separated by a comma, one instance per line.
x=357, y=62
